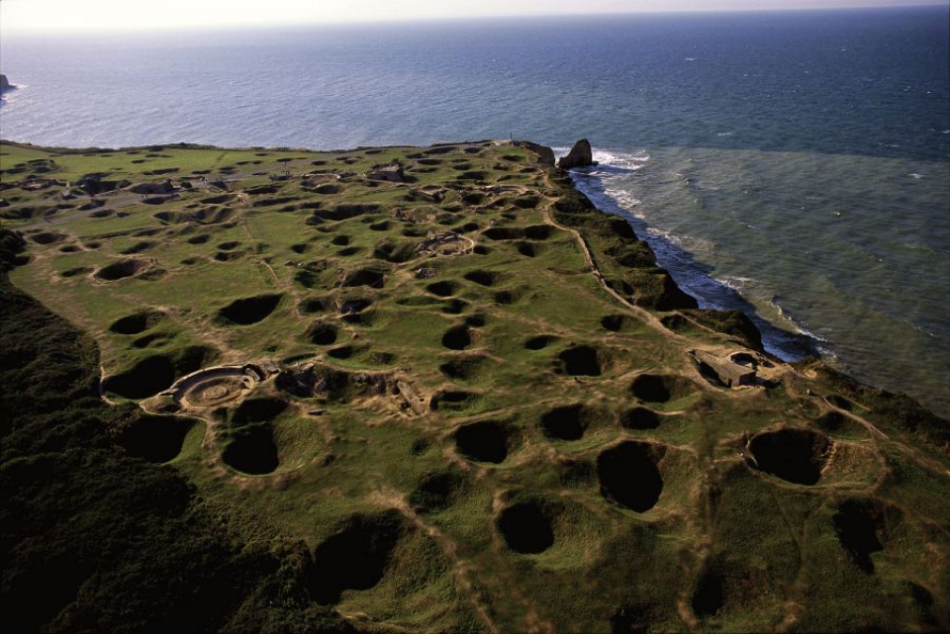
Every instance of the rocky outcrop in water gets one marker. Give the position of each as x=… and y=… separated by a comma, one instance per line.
x=581, y=155
x=5, y=84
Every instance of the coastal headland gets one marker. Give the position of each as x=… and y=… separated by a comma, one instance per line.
x=423, y=389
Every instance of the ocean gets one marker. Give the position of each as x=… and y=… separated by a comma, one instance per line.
x=795, y=165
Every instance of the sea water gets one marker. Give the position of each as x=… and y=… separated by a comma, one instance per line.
x=795, y=165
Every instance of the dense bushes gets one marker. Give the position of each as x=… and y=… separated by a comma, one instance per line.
x=95, y=540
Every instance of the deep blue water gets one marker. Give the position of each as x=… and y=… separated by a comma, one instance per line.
x=802, y=159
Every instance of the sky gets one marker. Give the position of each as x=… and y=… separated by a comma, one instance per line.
x=155, y=15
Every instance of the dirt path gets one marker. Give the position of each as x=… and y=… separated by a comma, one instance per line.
x=461, y=569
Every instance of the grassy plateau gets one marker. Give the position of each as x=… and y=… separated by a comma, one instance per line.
x=420, y=389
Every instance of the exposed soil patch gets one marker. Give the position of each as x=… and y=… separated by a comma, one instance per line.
x=565, y=423
x=526, y=528
x=341, y=240
x=857, y=523
x=436, y=491
x=356, y=556
x=202, y=239
x=154, y=438
x=795, y=455
x=322, y=334
x=136, y=323
x=485, y=441
x=229, y=246
x=580, y=361
x=249, y=310
x=120, y=270
x=640, y=418
x=457, y=338
x=629, y=475
x=654, y=388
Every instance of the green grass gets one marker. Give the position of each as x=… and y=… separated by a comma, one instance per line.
x=726, y=547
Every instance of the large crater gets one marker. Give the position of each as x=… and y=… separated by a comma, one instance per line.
x=795, y=455
x=629, y=475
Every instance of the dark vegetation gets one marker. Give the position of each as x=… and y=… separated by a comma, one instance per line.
x=94, y=539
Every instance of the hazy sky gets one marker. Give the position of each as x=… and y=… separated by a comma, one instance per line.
x=132, y=15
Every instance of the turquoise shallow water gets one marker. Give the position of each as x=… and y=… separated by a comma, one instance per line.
x=802, y=159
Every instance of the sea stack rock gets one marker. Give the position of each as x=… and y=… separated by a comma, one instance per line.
x=5, y=83
x=581, y=155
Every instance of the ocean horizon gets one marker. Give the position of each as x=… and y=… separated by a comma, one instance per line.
x=793, y=165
